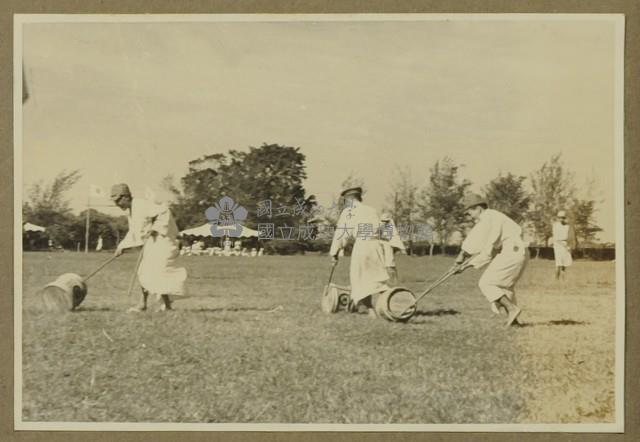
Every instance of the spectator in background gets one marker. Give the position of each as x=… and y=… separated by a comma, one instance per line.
x=564, y=242
x=226, y=245
x=196, y=248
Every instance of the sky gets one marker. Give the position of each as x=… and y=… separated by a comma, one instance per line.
x=135, y=102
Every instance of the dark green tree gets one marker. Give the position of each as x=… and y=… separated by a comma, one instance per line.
x=112, y=229
x=507, y=194
x=46, y=206
x=441, y=201
x=270, y=175
x=582, y=217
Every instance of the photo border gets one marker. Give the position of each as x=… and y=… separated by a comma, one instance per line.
x=620, y=273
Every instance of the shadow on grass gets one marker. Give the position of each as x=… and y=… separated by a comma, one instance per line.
x=421, y=316
x=548, y=323
x=438, y=312
x=151, y=310
x=81, y=309
x=237, y=309
x=77, y=310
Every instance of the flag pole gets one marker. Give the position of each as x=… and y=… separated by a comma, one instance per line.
x=86, y=227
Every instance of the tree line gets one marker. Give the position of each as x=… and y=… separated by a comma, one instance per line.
x=45, y=205
x=533, y=201
x=276, y=174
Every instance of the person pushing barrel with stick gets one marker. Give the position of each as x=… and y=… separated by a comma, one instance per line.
x=494, y=231
x=151, y=226
x=367, y=273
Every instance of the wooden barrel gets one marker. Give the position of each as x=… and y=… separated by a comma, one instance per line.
x=397, y=304
x=329, y=303
x=343, y=301
x=344, y=296
x=65, y=293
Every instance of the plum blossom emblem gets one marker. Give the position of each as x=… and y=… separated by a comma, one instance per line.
x=226, y=218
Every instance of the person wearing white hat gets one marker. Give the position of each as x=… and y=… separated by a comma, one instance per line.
x=390, y=241
x=564, y=241
x=495, y=239
x=367, y=273
x=151, y=226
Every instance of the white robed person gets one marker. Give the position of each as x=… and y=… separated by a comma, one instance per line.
x=496, y=240
x=361, y=223
x=564, y=240
x=153, y=227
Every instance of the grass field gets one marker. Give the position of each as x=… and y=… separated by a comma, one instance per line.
x=252, y=345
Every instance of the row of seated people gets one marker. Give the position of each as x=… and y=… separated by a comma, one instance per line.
x=198, y=249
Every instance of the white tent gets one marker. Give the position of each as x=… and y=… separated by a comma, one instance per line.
x=28, y=227
x=205, y=230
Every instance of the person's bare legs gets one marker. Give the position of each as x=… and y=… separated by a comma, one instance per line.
x=368, y=303
x=560, y=272
x=498, y=308
x=142, y=306
x=512, y=309
x=166, y=303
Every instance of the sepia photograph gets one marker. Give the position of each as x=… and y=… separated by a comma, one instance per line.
x=329, y=222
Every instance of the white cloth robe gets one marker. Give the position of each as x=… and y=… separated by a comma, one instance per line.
x=367, y=273
x=561, y=244
x=495, y=230
x=157, y=273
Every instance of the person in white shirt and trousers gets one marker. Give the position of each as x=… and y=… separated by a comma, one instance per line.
x=495, y=239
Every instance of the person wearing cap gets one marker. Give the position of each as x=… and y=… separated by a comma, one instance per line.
x=564, y=241
x=152, y=227
x=367, y=273
x=496, y=240
x=390, y=241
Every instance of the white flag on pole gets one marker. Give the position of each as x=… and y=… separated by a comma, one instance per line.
x=96, y=191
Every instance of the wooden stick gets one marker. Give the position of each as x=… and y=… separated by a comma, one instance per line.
x=99, y=268
x=333, y=267
x=448, y=274
x=135, y=273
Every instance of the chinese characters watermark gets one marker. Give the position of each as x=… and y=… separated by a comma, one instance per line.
x=226, y=218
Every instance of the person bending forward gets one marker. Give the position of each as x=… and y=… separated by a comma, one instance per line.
x=495, y=239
